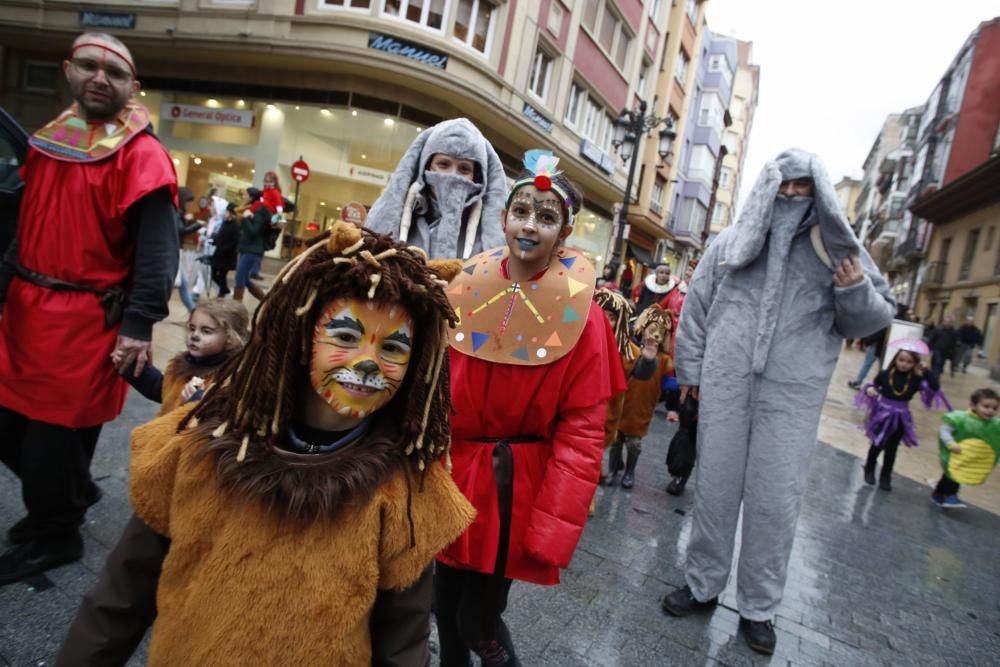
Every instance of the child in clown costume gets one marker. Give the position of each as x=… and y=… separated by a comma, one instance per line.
x=970, y=445
x=530, y=379
x=289, y=517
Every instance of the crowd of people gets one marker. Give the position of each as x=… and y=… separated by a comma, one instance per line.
x=418, y=413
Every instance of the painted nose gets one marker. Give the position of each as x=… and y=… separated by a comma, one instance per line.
x=366, y=367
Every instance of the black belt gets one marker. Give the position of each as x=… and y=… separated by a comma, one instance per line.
x=112, y=300
x=503, y=474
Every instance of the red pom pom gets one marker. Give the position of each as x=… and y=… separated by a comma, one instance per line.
x=543, y=182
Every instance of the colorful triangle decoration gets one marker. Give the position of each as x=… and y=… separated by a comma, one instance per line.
x=478, y=339
x=574, y=286
x=521, y=353
x=554, y=340
x=568, y=262
x=569, y=315
x=470, y=269
x=497, y=253
x=78, y=123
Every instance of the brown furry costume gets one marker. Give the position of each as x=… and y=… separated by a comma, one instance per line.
x=178, y=373
x=235, y=568
x=642, y=395
x=274, y=557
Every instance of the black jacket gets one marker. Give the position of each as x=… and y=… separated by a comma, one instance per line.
x=226, y=240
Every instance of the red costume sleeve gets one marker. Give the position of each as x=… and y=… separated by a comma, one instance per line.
x=148, y=167
x=560, y=509
x=272, y=199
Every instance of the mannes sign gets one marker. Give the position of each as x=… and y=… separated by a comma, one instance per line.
x=406, y=49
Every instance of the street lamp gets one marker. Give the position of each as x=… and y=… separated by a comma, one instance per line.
x=629, y=129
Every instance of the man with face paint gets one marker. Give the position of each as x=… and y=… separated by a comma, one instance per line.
x=446, y=194
x=94, y=261
x=533, y=364
x=762, y=324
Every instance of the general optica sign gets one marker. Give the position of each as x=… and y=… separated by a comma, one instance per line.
x=188, y=113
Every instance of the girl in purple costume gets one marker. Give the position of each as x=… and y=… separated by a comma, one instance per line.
x=886, y=400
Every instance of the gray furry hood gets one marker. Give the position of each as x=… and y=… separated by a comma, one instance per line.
x=407, y=192
x=747, y=237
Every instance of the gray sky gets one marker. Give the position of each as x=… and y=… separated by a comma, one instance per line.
x=832, y=71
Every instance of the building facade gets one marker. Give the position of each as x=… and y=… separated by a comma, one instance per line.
x=959, y=194
x=735, y=138
x=241, y=87
x=847, y=190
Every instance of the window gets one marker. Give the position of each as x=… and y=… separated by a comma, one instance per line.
x=693, y=214
x=426, y=13
x=41, y=77
x=591, y=9
x=711, y=112
x=609, y=30
x=640, y=87
x=970, y=253
x=589, y=117
x=541, y=74
x=681, y=67
x=349, y=4
x=692, y=10
x=654, y=9
x=576, y=95
x=725, y=177
x=556, y=13
x=474, y=23
x=702, y=165
x=719, y=63
x=718, y=214
x=990, y=234
x=656, y=200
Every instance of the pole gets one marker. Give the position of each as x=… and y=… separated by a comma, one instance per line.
x=295, y=217
x=623, y=220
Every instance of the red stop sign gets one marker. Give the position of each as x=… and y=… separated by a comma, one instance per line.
x=300, y=171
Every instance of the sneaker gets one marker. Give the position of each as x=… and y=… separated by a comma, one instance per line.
x=36, y=557
x=676, y=486
x=937, y=499
x=683, y=603
x=952, y=502
x=759, y=635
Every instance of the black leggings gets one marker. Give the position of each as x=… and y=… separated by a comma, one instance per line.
x=889, y=448
x=464, y=622
x=219, y=278
x=946, y=487
x=53, y=463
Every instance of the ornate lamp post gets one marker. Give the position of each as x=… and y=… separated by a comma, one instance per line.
x=629, y=130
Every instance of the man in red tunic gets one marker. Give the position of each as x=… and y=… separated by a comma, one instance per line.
x=95, y=257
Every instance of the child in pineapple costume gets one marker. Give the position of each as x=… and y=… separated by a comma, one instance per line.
x=970, y=444
x=654, y=329
x=289, y=518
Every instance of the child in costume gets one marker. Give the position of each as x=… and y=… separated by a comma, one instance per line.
x=529, y=386
x=446, y=193
x=886, y=400
x=270, y=196
x=654, y=329
x=969, y=441
x=295, y=509
x=217, y=330
x=619, y=311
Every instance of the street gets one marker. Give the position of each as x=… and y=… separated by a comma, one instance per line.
x=876, y=578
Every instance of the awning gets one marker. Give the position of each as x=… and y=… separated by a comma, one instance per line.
x=641, y=254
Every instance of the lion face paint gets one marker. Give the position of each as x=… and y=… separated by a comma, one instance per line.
x=360, y=354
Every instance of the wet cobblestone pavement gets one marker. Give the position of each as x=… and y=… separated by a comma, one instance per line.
x=876, y=578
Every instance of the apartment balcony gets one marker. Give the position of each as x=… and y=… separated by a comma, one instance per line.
x=935, y=274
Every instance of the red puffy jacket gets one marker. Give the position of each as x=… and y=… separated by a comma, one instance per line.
x=554, y=478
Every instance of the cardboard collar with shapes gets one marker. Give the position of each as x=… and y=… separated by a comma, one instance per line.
x=528, y=323
x=70, y=138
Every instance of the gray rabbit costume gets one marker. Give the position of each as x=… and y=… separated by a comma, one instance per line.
x=445, y=214
x=760, y=332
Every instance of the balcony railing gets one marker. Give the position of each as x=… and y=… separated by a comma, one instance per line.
x=935, y=274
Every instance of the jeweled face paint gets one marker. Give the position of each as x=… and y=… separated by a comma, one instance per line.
x=533, y=224
x=360, y=355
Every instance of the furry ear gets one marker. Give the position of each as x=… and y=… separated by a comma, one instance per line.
x=445, y=269
x=342, y=235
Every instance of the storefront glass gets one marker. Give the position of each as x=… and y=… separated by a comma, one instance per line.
x=591, y=236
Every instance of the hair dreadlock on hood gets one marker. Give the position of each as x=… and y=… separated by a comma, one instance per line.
x=247, y=411
x=619, y=311
x=659, y=321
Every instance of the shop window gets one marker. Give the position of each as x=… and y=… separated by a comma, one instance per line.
x=426, y=13
x=41, y=77
x=347, y=4
x=541, y=73
x=474, y=24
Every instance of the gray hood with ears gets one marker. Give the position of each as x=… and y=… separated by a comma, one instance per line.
x=477, y=223
x=749, y=234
